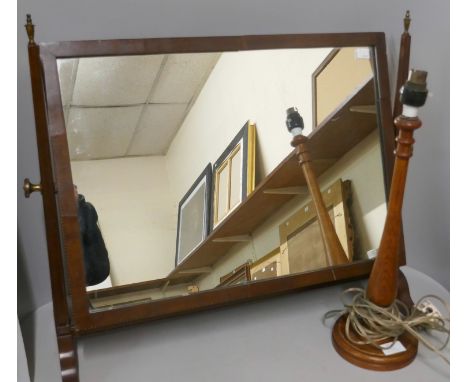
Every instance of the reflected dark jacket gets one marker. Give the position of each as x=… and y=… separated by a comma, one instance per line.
x=95, y=253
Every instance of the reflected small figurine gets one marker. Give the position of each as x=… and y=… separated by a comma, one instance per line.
x=96, y=259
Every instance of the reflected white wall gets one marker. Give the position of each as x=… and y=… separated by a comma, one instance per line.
x=137, y=214
x=259, y=86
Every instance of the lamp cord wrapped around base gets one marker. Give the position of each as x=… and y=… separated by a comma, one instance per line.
x=374, y=324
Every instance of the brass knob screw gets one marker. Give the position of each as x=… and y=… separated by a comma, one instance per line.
x=29, y=188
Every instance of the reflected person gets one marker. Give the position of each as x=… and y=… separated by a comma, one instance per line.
x=96, y=258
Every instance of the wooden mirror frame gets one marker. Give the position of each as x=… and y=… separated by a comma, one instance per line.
x=70, y=299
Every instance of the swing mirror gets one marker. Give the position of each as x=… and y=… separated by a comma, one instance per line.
x=188, y=193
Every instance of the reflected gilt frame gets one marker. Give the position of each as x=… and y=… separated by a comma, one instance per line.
x=241, y=147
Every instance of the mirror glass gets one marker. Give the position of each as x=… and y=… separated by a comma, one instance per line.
x=166, y=149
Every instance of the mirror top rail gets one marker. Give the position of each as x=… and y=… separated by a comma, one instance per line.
x=93, y=48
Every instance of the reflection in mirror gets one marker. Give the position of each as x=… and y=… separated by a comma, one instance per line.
x=141, y=130
x=342, y=72
x=193, y=220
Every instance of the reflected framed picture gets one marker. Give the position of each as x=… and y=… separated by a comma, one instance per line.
x=240, y=275
x=193, y=220
x=234, y=174
x=342, y=74
x=273, y=264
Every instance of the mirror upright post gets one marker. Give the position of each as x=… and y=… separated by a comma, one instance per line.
x=66, y=340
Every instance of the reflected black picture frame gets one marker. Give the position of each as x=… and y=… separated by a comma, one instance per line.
x=199, y=207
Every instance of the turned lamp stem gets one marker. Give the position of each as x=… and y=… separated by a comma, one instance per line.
x=335, y=254
x=383, y=282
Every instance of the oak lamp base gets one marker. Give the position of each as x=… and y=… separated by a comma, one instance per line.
x=368, y=356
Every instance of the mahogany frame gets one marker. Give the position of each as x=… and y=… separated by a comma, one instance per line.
x=72, y=316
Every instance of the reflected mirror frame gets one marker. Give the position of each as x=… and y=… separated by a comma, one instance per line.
x=52, y=124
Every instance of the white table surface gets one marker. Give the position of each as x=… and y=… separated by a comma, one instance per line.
x=278, y=339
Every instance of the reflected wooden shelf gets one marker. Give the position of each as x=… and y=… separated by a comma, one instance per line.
x=333, y=138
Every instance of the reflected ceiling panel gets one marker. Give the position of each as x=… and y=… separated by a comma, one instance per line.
x=164, y=87
x=158, y=126
x=67, y=74
x=182, y=77
x=96, y=133
x=115, y=81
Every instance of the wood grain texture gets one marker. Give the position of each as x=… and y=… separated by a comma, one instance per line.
x=383, y=281
x=48, y=190
x=368, y=356
x=170, y=307
x=386, y=123
x=94, y=48
x=68, y=357
x=66, y=340
x=403, y=293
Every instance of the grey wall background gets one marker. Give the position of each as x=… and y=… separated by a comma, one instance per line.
x=426, y=209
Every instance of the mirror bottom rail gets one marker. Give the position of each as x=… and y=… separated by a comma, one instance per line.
x=157, y=309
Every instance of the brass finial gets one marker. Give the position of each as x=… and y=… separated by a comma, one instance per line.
x=29, y=29
x=407, y=21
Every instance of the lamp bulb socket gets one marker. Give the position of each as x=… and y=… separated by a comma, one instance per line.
x=414, y=92
x=294, y=121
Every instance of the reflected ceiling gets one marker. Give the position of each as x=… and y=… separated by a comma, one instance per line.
x=129, y=106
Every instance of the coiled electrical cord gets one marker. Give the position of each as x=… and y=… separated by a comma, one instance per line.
x=374, y=324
